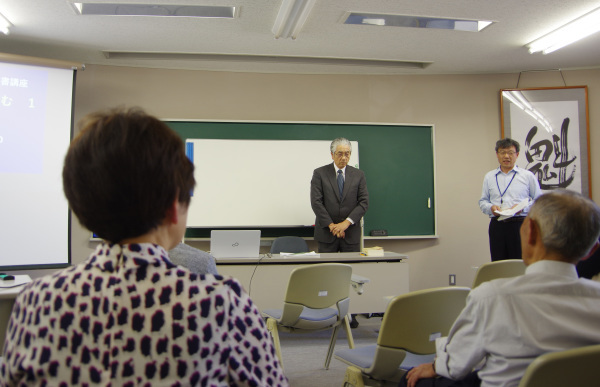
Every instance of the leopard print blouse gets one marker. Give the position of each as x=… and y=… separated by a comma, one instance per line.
x=129, y=317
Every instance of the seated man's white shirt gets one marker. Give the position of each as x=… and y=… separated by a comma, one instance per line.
x=509, y=322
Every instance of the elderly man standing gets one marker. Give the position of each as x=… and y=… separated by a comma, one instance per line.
x=503, y=188
x=508, y=322
x=339, y=199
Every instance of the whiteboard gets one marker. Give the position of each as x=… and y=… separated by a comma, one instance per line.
x=255, y=183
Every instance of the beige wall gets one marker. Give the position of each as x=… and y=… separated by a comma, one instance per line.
x=465, y=110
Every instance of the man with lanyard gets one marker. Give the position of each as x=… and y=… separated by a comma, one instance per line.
x=504, y=188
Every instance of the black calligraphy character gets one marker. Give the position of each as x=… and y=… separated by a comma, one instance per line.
x=539, y=154
x=561, y=151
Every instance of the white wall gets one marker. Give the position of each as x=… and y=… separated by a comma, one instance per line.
x=465, y=110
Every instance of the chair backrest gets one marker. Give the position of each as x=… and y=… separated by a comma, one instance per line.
x=411, y=324
x=414, y=320
x=320, y=285
x=498, y=269
x=573, y=367
x=289, y=244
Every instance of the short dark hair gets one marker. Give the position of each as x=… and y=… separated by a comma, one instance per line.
x=569, y=223
x=123, y=172
x=507, y=143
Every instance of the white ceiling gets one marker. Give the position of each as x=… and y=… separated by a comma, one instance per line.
x=51, y=29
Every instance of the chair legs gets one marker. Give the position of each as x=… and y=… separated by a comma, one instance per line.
x=353, y=377
x=346, y=325
x=272, y=328
x=348, y=330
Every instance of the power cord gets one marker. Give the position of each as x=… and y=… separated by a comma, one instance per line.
x=267, y=255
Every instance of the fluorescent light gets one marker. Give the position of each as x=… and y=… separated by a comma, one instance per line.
x=388, y=20
x=291, y=18
x=375, y=22
x=571, y=32
x=4, y=25
x=121, y=9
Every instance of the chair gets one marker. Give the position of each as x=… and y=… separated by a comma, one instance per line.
x=317, y=298
x=289, y=244
x=573, y=367
x=498, y=269
x=406, y=339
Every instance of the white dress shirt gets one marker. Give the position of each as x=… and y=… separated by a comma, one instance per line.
x=507, y=189
x=509, y=322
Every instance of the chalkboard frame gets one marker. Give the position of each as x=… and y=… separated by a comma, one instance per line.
x=394, y=155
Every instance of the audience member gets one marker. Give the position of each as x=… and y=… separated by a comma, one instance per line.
x=127, y=316
x=198, y=261
x=509, y=322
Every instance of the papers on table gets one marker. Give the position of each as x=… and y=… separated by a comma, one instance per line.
x=375, y=251
x=294, y=255
x=509, y=212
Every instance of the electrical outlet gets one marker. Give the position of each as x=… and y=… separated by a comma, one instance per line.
x=452, y=279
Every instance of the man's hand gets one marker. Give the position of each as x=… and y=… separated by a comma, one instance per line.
x=339, y=229
x=495, y=210
x=422, y=371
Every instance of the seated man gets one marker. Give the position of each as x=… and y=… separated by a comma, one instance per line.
x=509, y=322
x=196, y=260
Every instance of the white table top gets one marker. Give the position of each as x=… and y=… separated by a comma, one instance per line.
x=10, y=288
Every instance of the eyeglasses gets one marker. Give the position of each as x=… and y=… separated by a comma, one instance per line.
x=341, y=154
x=509, y=153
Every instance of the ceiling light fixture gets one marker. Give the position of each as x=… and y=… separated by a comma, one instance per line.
x=291, y=18
x=571, y=32
x=162, y=10
x=4, y=25
x=387, y=20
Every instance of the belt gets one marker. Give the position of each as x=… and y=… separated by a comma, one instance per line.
x=511, y=219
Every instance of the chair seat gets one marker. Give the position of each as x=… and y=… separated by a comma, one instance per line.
x=363, y=358
x=309, y=318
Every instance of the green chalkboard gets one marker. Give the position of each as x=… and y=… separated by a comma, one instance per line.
x=398, y=161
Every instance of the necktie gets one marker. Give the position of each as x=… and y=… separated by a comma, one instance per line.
x=340, y=180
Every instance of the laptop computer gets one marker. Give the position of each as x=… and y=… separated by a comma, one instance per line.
x=235, y=243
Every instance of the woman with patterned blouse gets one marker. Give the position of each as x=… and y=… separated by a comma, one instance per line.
x=127, y=316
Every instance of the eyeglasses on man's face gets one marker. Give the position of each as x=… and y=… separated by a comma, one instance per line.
x=342, y=154
x=507, y=153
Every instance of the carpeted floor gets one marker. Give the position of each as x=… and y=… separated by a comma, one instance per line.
x=304, y=354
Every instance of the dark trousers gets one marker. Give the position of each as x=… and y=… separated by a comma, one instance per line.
x=471, y=380
x=339, y=244
x=505, y=239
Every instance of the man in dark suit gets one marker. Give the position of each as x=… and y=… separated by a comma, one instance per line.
x=339, y=199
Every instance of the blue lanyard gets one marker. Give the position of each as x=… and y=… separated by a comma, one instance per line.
x=506, y=189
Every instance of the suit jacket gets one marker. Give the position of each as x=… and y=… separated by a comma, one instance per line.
x=329, y=208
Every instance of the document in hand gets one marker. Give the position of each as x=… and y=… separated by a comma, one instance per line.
x=508, y=212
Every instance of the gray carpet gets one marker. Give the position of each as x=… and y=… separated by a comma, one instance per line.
x=304, y=354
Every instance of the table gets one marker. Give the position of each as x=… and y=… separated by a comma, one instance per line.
x=266, y=278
